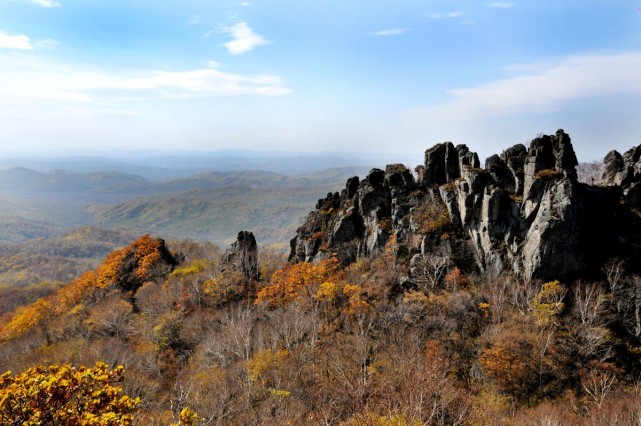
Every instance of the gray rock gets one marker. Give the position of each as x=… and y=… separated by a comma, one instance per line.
x=243, y=255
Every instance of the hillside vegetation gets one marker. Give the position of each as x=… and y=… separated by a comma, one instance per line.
x=36, y=268
x=323, y=343
x=457, y=296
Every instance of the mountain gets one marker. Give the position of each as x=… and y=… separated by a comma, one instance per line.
x=17, y=181
x=162, y=167
x=524, y=213
x=214, y=214
x=455, y=295
x=36, y=201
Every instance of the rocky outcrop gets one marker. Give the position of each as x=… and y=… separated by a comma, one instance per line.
x=243, y=255
x=523, y=213
x=624, y=171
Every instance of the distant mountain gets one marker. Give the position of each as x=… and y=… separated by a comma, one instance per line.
x=216, y=214
x=180, y=165
x=210, y=205
x=20, y=180
x=258, y=178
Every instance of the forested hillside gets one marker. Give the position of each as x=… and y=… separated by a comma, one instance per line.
x=322, y=343
x=207, y=206
x=405, y=302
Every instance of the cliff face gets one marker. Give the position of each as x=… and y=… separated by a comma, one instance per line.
x=524, y=212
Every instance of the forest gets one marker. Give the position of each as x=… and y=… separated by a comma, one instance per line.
x=193, y=341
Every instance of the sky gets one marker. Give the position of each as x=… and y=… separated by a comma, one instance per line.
x=383, y=77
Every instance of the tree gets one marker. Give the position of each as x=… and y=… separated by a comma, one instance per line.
x=64, y=395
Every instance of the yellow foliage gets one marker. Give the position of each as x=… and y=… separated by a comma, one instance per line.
x=26, y=318
x=485, y=309
x=263, y=361
x=187, y=417
x=356, y=304
x=64, y=395
x=280, y=393
x=295, y=282
x=194, y=267
x=327, y=292
x=547, y=305
x=373, y=419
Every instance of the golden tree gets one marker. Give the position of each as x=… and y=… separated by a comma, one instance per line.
x=64, y=395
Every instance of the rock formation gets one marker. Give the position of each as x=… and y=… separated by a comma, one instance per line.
x=523, y=213
x=243, y=255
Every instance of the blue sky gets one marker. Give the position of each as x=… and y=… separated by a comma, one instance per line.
x=378, y=76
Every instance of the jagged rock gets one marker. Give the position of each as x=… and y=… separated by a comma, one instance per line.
x=441, y=164
x=399, y=179
x=373, y=196
x=525, y=213
x=352, y=186
x=500, y=172
x=348, y=227
x=548, y=155
x=514, y=158
x=243, y=255
x=615, y=168
x=467, y=158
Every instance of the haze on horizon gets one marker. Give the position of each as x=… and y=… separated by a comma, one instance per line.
x=103, y=76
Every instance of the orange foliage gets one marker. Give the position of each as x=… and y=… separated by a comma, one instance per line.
x=27, y=318
x=298, y=281
x=455, y=279
x=127, y=268
x=508, y=362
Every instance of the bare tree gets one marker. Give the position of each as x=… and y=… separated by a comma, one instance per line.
x=590, y=302
x=428, y=270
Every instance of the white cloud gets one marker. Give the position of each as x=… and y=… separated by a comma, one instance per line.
x=502, y=5
x=245, y=3
x=28, y=79
x=448, y=15
x=588, y=95
x=391, y=31
x=21, y=42
x=545, y=87
x=46, y=3
x=244, y=39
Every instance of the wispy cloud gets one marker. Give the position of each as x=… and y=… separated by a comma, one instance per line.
x=244, y=39
x=245, y=3
x=501, y=5
x=448, y=15
x=47, y=43
x=46, y=3
x=21, y=42
x=588, y=95
x=391, y=32
x=207, y=34
x=27, y=79
x=548, y=85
